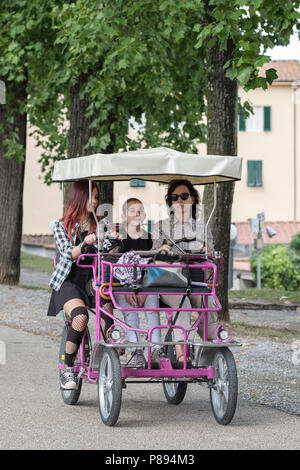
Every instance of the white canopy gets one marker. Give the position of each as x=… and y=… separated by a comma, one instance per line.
x=157, y=164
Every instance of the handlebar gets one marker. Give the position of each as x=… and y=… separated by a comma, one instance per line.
x=184, y=240
x=116, y=242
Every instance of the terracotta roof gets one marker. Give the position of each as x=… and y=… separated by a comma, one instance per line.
x=287, y=70
x=284, y=232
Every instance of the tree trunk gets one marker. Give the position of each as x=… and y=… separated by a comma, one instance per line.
x=80, y=132
x=222, y=96
x=11, y=186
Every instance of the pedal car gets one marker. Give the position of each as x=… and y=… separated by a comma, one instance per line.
x=99, y=360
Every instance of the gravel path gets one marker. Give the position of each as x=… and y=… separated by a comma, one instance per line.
x=268, y=370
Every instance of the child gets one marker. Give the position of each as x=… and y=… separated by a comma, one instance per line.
x=137, y=239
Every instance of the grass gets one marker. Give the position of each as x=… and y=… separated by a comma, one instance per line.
x=273, y=295
x=246, y=329
x=40, y=263
x=24, y=286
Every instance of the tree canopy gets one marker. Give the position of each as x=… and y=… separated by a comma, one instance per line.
x=139, y=57
x=130, y=58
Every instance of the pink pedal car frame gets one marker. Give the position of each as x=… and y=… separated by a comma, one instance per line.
x=167, y=372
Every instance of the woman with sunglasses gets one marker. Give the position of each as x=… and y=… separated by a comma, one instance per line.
x=183, y=222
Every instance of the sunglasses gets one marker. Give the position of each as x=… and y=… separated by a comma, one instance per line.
x=183, y=196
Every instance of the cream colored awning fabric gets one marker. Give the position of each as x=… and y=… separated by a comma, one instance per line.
x=157, y=164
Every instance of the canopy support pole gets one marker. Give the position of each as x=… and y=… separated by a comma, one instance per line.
x=99, y=239
x=62, y=197
x=210, y=216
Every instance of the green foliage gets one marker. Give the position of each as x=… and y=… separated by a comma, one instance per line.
x=295, y=243
x=253, y=26
x=280, y=267
x=25, y=54
x=139, y=58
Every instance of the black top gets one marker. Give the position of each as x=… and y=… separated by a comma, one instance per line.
x=137, y=244
x=78, y=275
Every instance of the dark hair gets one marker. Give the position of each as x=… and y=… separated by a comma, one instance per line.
x=131, y=199
x=193, y=192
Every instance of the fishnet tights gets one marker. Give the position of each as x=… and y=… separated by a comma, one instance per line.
x=78, y=325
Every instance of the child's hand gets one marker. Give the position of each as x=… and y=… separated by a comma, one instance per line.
x=131, y=299
x=115, y=235
x=141, y=298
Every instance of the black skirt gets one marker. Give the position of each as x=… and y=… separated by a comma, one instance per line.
x=69, y=290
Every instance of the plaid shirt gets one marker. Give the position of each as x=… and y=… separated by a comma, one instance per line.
x=64, y=247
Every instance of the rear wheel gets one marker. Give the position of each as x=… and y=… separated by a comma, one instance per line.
x=223, y=396
x=109, y=386
x=174, y=391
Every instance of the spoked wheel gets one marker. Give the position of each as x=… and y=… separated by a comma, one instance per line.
x=71, y=397
x=174, y=392
x=109, y=386
x=223, y=397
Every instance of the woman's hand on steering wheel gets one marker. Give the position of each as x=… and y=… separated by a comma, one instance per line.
x=209, y=250
x=90, y=239
x=165, y=247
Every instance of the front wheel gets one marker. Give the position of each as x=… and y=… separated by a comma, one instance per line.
x=174, y=392
x=223, y=396
x=71, y=397
x=109, y=386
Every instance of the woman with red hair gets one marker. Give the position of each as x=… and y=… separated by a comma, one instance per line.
x=74, y=235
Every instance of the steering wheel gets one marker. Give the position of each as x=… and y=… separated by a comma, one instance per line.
x=165, y=255
x=114, y=242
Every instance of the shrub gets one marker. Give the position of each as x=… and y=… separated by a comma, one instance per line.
x=295, y=243
x=280, y=267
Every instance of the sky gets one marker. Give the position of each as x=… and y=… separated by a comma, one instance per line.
x=290, y=52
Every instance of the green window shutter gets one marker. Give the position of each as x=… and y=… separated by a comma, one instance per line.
x=135, y=183
x=242, y=123
x=254, y=174
x=267, y=118
x=149, y=225
x=259, y=173
x=250, y=173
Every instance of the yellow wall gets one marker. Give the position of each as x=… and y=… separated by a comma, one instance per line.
x=41, y=203
x=276, y=149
